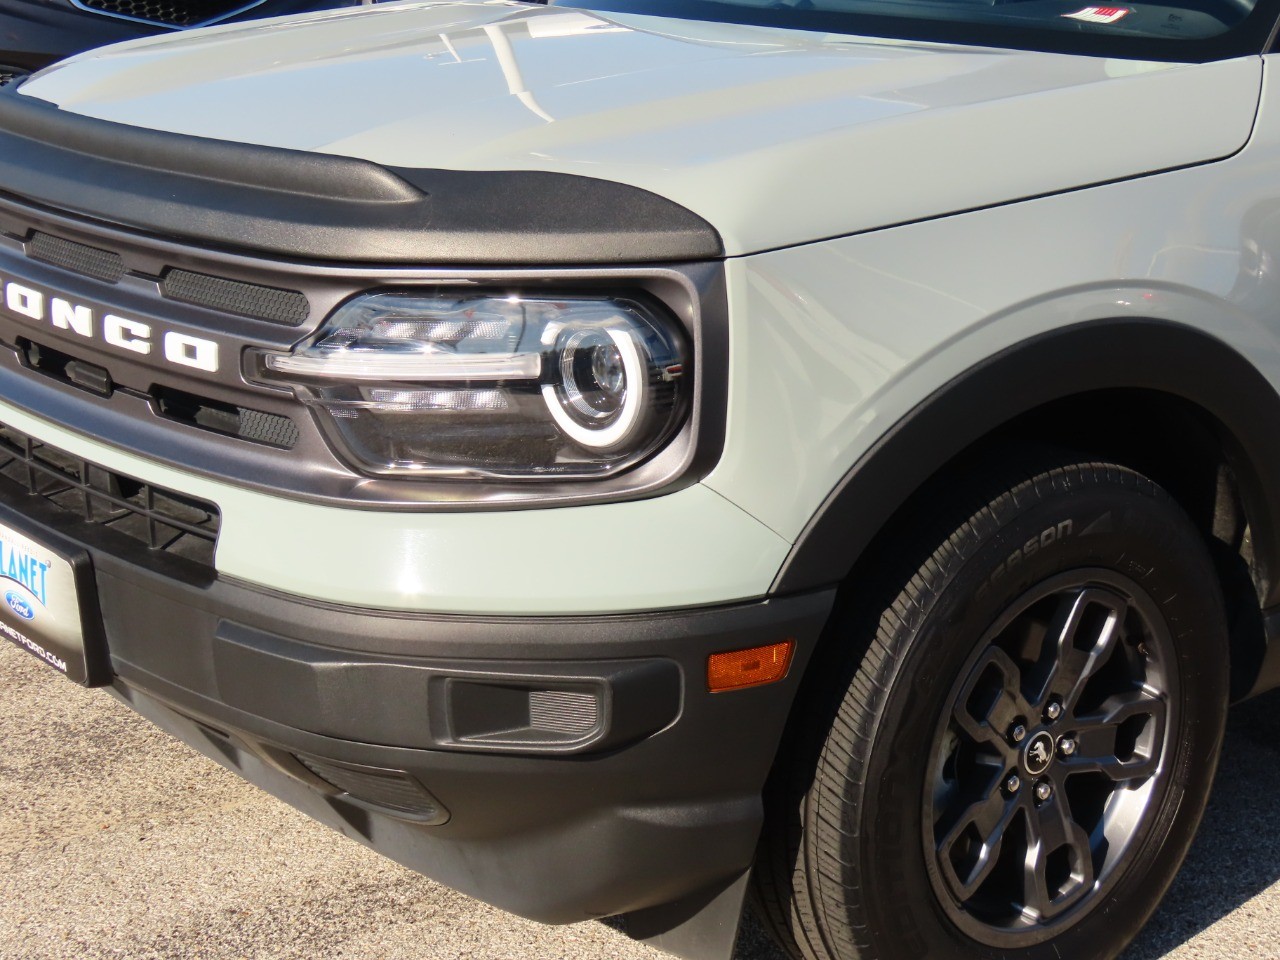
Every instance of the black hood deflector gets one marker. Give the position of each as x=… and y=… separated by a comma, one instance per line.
x=313, y=206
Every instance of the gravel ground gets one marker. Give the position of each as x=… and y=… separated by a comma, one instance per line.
x=118, y=842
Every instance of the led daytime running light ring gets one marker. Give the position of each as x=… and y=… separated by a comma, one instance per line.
x=637, y=386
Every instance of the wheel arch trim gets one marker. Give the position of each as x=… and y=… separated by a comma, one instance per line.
x=1155, y=355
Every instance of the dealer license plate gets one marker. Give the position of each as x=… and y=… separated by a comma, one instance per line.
x=45, y=594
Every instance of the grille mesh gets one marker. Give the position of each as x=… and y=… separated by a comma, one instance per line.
x=235, y=421
x=234, y=296
x=163, y=520
x=394, y=789
x=268, y=428
x=175, y=13
x=76, y=257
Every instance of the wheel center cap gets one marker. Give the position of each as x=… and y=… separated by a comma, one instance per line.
x=1038, y=754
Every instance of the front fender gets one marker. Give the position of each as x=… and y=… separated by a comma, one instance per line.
x=1153, y=355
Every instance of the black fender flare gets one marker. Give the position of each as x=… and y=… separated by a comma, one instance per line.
x=1153, y=355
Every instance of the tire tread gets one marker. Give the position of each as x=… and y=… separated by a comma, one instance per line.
x=808, y=897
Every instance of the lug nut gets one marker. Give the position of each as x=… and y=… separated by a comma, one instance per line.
x=1043, y=791
x=1054, y=710
x=1066, y=746
x=1013, y=783
x=1017, y=733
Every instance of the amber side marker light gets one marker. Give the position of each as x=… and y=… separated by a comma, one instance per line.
x=738, y=669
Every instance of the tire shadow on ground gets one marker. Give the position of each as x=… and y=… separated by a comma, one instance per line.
x=1236, y=855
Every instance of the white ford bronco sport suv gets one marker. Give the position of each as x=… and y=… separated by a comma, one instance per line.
x=619, y=456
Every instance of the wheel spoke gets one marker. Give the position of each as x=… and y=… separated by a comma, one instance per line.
x=1106, y=743
x=991, y=700
x=981, y=828
x=1058, y=869
x=1086, y=630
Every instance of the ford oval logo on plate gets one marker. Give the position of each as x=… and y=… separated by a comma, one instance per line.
x=18, y=605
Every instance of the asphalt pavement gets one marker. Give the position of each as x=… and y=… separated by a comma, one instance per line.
x=118, y=842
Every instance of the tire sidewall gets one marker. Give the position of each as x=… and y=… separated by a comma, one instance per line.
x=1142, y=535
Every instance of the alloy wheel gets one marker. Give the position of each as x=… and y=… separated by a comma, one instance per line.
x=1049, y=758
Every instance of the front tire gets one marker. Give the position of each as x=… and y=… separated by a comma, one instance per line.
x=1016, y=764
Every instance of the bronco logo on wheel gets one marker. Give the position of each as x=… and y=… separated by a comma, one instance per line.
x=1038, y=754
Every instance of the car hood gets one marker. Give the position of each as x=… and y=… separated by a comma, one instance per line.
x=776, y=137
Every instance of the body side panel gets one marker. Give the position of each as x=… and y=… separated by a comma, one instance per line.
x=835, y=343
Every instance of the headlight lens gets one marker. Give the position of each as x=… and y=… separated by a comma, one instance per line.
x=503, y=387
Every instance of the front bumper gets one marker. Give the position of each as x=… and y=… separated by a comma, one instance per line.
x=558, y=767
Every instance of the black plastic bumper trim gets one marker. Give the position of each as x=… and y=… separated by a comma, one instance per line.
x=486, y=705
x=611, y=825
x=551, y=840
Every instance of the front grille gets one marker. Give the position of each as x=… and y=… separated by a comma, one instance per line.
x=393, y=789
x=10, y=74
x=163, y=520
x=235, y=296
x=254, y=300
x=173, y=13
x=76, y=257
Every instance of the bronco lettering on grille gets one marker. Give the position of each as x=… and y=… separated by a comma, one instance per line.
x=123, y=332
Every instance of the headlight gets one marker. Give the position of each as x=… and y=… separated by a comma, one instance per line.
x=476, y=385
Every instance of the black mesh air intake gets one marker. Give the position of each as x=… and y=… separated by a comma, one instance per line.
x=162, y=519
x=233, y=296
x=258, y=426
x=268, y=428
x=393, y=789
x=76, y=257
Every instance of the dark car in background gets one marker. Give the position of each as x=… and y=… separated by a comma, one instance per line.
x=35, y=33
